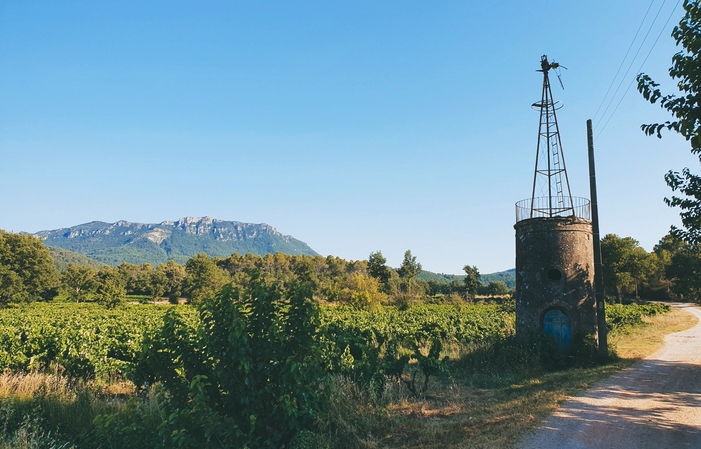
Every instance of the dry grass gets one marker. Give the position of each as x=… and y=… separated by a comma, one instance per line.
x=38, y=403
x=643, y=341
x=458, y=413
x=26, y=386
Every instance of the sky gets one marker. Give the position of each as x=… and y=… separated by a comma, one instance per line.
x=352, y=126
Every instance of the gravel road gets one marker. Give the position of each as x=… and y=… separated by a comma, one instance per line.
x=654, y=404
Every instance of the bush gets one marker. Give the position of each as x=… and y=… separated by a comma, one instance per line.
x=250, y=373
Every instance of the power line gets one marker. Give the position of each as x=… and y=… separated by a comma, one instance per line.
x=632, y=61
x=623, y=60
x=641, y=66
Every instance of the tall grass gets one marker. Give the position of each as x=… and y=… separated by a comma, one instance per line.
x=35, y=407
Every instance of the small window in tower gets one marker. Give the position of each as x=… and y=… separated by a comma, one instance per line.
x=554, y=274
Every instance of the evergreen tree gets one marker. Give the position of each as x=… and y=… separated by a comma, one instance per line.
x=377, y=267
x=410, y=268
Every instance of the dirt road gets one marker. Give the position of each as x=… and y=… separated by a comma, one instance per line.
x=655, y=404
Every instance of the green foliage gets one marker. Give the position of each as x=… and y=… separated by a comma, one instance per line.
x=620, y=318
x=80, y=339
x=686, y=65
x=377, y=267
x=26, y=431
x=363, y=292
x=27, y=272
x=204, y=278
x=250, y=374
x=63, y=258
x=472, y=279
x=371, y=346
x=410, y=268
x=508, y=277
x=494, y=288
x=170, y=278
x=626, y=266
x=78, y=281
x=306, y=439
x=111, y=288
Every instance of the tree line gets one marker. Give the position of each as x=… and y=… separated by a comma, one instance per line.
x=672, y=270
x=28, y=273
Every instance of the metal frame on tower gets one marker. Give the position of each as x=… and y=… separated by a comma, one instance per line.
x=553, y=197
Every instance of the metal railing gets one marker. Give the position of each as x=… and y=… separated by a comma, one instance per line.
x=544, y=207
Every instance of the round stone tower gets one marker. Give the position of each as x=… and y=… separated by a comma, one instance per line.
x=555, y=278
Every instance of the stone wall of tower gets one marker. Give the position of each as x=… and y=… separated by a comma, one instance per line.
x=554, y=270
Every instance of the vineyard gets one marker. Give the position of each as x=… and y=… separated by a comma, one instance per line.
x=87, y=340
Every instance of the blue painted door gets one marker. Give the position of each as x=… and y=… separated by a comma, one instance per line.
x=558, y=325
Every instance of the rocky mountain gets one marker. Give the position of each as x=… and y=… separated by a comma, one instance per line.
x=137, y=243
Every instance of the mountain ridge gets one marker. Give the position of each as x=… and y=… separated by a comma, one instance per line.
x=178, y=240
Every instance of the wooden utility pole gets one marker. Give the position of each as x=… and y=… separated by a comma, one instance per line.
x=598, y=279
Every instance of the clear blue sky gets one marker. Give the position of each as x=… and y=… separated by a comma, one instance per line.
x=353, y=126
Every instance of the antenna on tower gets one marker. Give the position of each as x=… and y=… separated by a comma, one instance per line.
x=551, y=195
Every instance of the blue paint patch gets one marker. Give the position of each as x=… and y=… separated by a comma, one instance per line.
x=557, y=324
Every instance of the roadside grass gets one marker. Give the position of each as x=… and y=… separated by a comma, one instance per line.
x=471, y=407
x=639, y=342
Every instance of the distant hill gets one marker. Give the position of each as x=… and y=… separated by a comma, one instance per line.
x=63, y=257
x=137, y=243
x=439, y=277
x=508, y=277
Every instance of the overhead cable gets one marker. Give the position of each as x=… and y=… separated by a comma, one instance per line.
x=613, y=81
x=641, y=66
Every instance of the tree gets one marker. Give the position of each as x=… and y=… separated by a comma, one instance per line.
x=363, y=292
x=27, y=271
x=377, y=267
x=111, y=287
x=686, y=109
x=472, y=280
x=78, y=281
x=410, y=268
x=496, y=288
x=204, y=278
x=684, y=271
x=174, y=275
x=626, y=266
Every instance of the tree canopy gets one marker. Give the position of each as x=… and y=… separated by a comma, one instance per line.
x=410, y=267
x=686, y=110
x=472, y=279
x=27, y=271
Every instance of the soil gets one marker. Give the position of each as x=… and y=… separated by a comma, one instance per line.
x=654, y=404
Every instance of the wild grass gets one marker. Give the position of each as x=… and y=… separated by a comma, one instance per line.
x=35, y=408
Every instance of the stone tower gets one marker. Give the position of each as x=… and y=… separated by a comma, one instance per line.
x=554, y=247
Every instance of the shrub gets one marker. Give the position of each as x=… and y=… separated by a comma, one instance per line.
x=250, y=373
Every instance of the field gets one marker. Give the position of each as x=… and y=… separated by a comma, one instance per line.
x=428, y=376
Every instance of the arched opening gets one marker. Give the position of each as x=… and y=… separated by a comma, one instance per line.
x=558, y=325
